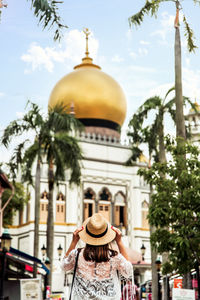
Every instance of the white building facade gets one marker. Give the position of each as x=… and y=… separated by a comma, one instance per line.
x=107, y=185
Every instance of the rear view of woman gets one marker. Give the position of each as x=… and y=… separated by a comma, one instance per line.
x=99, y=266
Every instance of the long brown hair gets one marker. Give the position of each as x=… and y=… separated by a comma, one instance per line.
x=98, y=253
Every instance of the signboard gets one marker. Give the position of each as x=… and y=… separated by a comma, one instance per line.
x=30, y=289
x=177, y=283
x=183, y=294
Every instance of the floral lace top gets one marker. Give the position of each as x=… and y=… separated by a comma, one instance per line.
x=97, y=281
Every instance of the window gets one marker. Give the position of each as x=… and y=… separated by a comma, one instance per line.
x=145, y=210
x=120, y=215
x=89, y=203
x=60, y=207
x=44, y=206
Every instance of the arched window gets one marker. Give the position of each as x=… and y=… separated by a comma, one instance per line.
x=60, y=207
x=120, y=212
x=145, y=210
x=44, y=206
x=89, y=203
x=104, y=204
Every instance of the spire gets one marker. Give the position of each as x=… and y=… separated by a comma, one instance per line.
x=87, y=61
x=87, y=33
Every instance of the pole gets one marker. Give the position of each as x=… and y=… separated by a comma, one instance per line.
x=159, y=287
x=3, y=274
x=198, y=279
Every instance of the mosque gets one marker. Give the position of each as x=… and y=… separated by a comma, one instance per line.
x=107, y=185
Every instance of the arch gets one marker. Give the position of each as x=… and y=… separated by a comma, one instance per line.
x=60, y=207
x=105, y=194
x=89, y=194
x=119, y=210
x=104, y=203
x=44, y=206
x=88, y=203
x=145, y=211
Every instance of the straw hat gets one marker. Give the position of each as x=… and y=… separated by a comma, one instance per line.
x=97, y=231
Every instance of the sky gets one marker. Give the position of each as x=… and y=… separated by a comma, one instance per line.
x=140, y=59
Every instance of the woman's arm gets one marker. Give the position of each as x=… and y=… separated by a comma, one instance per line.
x=74, y=241
x=119, y=242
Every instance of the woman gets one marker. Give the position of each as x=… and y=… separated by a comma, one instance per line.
x=99, y=267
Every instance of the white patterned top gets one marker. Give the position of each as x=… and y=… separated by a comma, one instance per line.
x=97, y=281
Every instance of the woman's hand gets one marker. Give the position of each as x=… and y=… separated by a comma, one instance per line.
x=118, y=237
x=74, y=241
x=76, y=237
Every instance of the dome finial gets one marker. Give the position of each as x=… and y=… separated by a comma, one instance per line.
x=87, y=33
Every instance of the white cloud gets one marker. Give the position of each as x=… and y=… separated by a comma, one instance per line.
x=72, y=48
x=129, y=34
x=117, y=58
x=2, y=94
x=19, y=114
x=191, y=83
x=160, y=90
x=166, y=26
x=133, y=54
x=144, y=42
x=142, y=51
x=142, y=69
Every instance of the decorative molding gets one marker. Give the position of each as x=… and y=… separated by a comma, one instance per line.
x=42, y=223
x=140, y=228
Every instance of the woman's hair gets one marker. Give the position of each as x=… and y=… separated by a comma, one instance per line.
x=98, y=253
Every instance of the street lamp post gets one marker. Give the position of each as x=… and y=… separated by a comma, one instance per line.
x=60, y=250
x=158, y=267
x=47, y=264
x=5, y=246
x=143, y=250
x=44, y=251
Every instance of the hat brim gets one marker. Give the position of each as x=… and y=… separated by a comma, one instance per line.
x=95, y=241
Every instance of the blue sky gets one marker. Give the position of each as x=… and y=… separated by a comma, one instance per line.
x=141, y=59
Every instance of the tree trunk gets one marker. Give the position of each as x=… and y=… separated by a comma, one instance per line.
x=162, y=159
x=180, y=121
x=50, y=221
x=162, y=154
x=153, y=259
x=37, y=214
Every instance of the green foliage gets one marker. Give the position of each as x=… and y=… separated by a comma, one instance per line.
x=17, y=202
x=175, y=209
x=53, y=140
x=189, y=34
x=47, y=13
x=139, y=134
x=151, y=8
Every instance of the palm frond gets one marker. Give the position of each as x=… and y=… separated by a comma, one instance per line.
x=59, y=119
x=189, y=34
x=47, y=13
x=135, y=154
x=30, y=155
x=15, y=128
x=168, y=92
x=150, y=7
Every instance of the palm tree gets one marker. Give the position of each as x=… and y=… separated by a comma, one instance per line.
x=62, y=152
x=151, y=7
x=58, y=121
x=153, y=136
x=32, y=121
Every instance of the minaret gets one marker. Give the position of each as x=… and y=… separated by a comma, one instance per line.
x=193, y=118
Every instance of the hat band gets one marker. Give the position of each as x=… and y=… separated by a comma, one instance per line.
x=96, y=235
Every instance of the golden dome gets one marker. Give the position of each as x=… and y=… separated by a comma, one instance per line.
x=197, y=106
x=96, y=96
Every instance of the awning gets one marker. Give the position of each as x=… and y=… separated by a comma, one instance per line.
x=29, y=258
x=19, y=264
